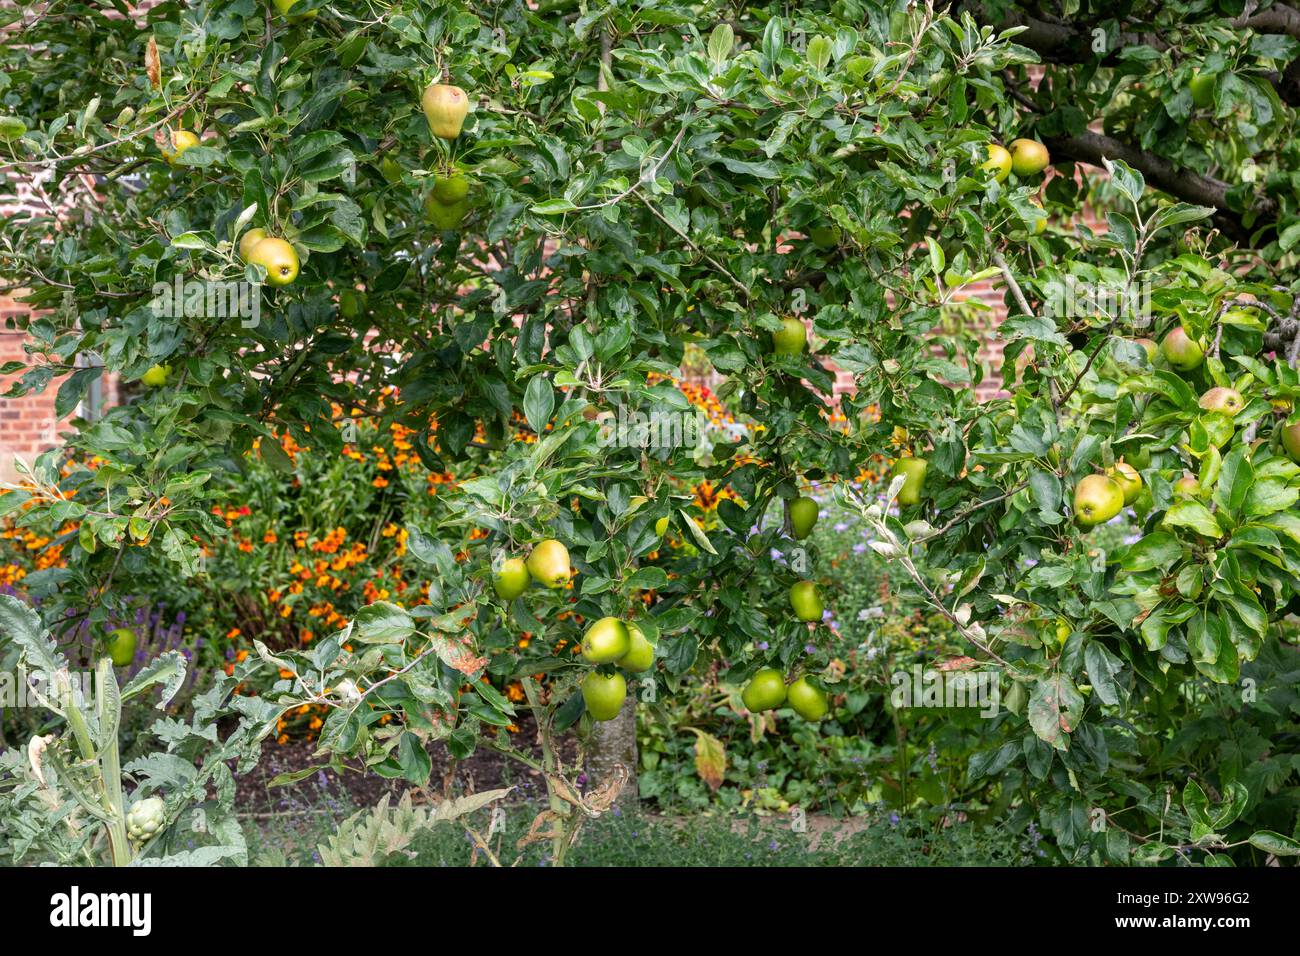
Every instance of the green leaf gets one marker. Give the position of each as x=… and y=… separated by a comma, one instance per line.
x=1157, y=550
x=1274, y=843
x=382, y=623
x=539, y=403
x=1193, y=515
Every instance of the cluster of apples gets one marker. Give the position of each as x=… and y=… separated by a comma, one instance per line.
x=547, y=563
x=1027, y=157
x=275, y=255
x=1099, y=497
x=445, y=107
x=767, y=690
x=617, y=642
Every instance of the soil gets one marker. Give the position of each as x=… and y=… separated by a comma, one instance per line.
x=327, y=789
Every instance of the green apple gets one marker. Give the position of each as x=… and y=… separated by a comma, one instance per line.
x=248, y=240
x=548, y=563
x=1128, y=479
x=1225, y=401
x=450, y=189
x=661, y=526
x=1291, y=441
x=805, y=600
x=1097, y=498
x=284, y=5
x=445, y=107
x=156, y=376
x=803, y=515
x=765, y=690
x=808, y=701
x=825, y=237
x=1028, y=157
x=181, y=139
x=998, y=163
x=640, y=654
x=606, y=641
x=791, y=338
x=351, y=303
x=446, y=217
x=913, y=471
x=1181, y=351
x=121, y=646
x=278, y=258
x=1203, y=87
x=512, y=579
x=604, y=694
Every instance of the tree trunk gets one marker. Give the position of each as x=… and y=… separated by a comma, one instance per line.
x=613, y=742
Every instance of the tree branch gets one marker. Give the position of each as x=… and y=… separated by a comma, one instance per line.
x=1185, y=184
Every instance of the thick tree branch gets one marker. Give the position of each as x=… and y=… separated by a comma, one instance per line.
x=1090, y=147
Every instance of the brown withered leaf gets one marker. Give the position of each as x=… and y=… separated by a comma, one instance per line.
x=152, y=64
x=710, y=759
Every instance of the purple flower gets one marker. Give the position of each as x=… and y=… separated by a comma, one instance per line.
x=762, y=645
x=859, y=548
x=841, y=526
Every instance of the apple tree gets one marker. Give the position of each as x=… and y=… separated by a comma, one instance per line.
x=488, y=222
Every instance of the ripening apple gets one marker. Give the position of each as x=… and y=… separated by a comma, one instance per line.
x=1152, y=349
x=791, y=338
x=445, y=107
x=549, y=564
x=604, y=694
x=803, y=515
x=1181, y=350
x=1029, y=157
x=278, y=258
x=1203, y=87
x=248, y=240
x=640, y=654
x=998, y=163
x=121, y=646
x=156, y=376
x=1097, y=498
x=765, y=690
x=1291, y=441
x=1187, y=487
x=1226, y=401
x=1128, y=479
x=450, y=189
x=284, y=5
x=351, y=303
x=808, y=701
x=913, y=470
x=512, y=579
x=606, y=641
x=446, y=217
x=825, y=237
x=182, y=139
x=805, y=600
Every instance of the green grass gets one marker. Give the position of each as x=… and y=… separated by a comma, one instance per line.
x=645, y=840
